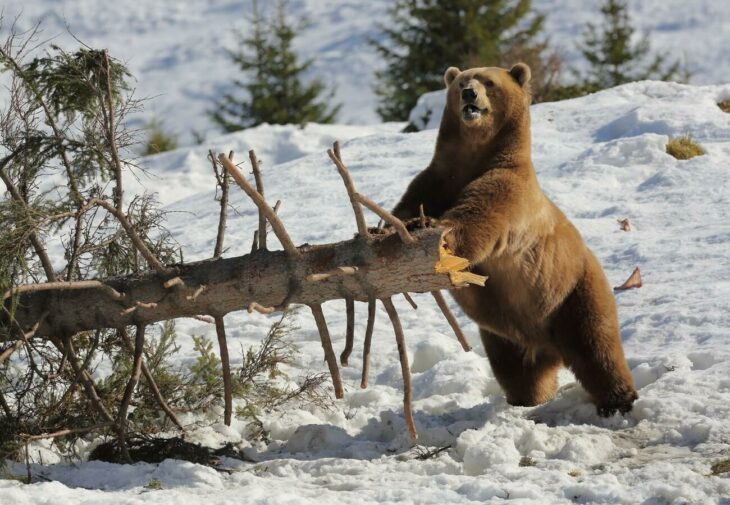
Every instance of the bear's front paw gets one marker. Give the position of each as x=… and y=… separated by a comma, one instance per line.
x=458, y=242
x=622, y=403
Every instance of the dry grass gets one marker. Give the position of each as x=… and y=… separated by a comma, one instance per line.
x=724, y=105
x=684, y=148
x=721, y=467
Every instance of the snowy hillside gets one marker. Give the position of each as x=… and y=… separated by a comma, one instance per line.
x=176, y=49
x=599, y=158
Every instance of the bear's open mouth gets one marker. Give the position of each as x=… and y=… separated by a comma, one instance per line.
x=470, y=112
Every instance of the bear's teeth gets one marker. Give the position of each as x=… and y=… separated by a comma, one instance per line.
x=471, y=111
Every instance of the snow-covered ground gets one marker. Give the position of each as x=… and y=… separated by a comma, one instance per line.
x=176, y=49
x=599, y=158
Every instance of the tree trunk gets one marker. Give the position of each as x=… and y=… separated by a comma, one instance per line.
x=362, y=269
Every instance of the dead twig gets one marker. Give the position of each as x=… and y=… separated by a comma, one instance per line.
x=424, y=455
x=86, y=380
x=36, y=242
x=335, y=156
x=349, y=331
x=367, y=342
x=451, y=319
x=410, y=300
x=276, y=225
x=220, y=330
x=396, y=223
x=260, y=188
x=26, y=336
x=404, y=366
x=122, y=420
x=151, y=382
x=634, y=281
x=329, y=353
x=223, y=181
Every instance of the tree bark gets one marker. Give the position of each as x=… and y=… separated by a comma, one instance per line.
x=376, y=267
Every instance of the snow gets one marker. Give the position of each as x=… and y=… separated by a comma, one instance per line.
x=600, y=158
x=176, y=49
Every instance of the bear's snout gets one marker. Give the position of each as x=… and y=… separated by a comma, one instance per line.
x=468, y=95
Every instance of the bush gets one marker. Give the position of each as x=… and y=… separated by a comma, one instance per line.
x=684, y=148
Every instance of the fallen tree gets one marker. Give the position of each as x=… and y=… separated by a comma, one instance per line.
x=375, y=265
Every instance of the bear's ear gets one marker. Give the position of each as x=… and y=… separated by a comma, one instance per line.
x=450, y=75
x=521, y=73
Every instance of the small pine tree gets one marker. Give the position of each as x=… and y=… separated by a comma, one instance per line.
x=615, y=60
x=427, y=36
x=275, y=92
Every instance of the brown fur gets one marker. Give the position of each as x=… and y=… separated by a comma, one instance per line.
x=547, y=302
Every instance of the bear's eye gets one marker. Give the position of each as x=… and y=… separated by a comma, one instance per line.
x=489, y=83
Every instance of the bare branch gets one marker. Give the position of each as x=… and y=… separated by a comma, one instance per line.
x=367, y=342
x=84, y=377
x=223, y=182
x=151, y=382
x=362, y=228
x=129, y=391
x=349, y=331
x=111, y=131
x=329, y=353
x=220, y=330
x=255, y=242
x=260, y=188
x=451, y=319
x=410, y=300
x=404, y=366
x=269, y=213
x=387, y=217
x=634, y=281
x=22, y=341
x=65, y=432
x=35, y=240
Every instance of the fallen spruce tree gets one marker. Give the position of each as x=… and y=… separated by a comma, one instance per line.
x=375, y=265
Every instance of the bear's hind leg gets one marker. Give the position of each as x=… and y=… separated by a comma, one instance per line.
x=587, y=333
x=526, y=380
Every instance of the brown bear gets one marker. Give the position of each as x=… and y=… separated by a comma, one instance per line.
x=547, y=302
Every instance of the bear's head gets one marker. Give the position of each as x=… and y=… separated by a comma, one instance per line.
x=482, y=100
